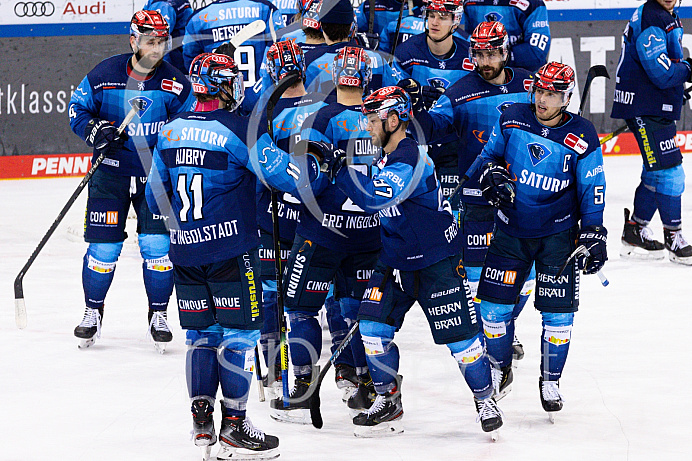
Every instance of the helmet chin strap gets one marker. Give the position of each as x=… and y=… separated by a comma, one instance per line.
x=451, y=31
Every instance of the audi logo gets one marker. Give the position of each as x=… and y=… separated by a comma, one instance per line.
x=34, y=9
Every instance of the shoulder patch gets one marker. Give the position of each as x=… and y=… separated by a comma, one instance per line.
x=523, y=5
x=576, y=143
x=467, y=65
x=171, y=86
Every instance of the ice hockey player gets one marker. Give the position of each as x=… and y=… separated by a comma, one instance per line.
x=543, y=170
x=338, y=27
x=177, y=13
x=420, y=261
x=97, y=107
x=470, y=108
x=204, y=178
x=649, y=96
x=290, y=111
x=335, y=241
x=218, y=22
x=527, y=25
x=432, y=62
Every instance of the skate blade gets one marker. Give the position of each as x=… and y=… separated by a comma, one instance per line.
x=160, y=347
x=495, y=435
x=381, y=430
x=206, y=453
x=634, y=252
x=84, y=343
x=501, y=395
x=299, y=416
x=240, y=454
x=679, y=260
x=551, y=417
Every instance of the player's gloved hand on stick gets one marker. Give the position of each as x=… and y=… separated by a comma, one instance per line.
x=103, y=136
x=497, y=186
x=414, y=90
x=368, y=40
x=430, y=95
x=594, y=240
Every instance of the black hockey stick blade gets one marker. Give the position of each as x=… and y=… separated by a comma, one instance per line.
x=19, y=304
x=599, y=70
x=314, y=402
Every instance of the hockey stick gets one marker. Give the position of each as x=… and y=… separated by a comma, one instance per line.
x=371, y=16
x=284, y=84
x=598, y=70
x=243, y=35
x=314, y=402
x=396, y=32
x=582, y=251
x=470, y=172
x=19, y=304
x=258, y=375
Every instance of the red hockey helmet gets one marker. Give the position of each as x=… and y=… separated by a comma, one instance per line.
x=210, y=71
x=284, y=57
x=386, y=100
x=556, y=77
x=455, y=7
x=352, y=67
x=151, y=23
x=489, y=35
x=310, y=13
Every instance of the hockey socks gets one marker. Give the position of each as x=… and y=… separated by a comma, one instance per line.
x=349, y=310
x=498, y=328
x=98, y=269
x=381, y=353
x=157, y=269
x=235, y=375
x=474, y=365
x=202, y=371
x=338, y=327
x=557, y=331
x=305, y=341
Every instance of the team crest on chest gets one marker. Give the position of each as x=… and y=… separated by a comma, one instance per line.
x=538, y=152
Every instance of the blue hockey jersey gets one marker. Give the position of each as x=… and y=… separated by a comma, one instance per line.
x=202, y=163
x=651, y=73
x=336, y=222
x=291, y=113
x=177, y=13
x=419, y=63
x=288, y=10
x=107, y=93
x=418, y=228
x=526, y=22
x=218, y=22
x=386, y=11
x=470, y=108
x=558, y=172
x=319, y=61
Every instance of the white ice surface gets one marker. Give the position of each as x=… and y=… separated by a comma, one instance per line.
x=626, y=382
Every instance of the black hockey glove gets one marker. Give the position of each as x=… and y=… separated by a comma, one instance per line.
x=497, y=187
x=414, y=90
x=103, y=137
x=688, y=61
x=333, y=162
x=594, y=240
x=430, y=95
x=368, y=40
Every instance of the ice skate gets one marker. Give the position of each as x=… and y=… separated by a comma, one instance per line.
x=240, y=440
x=489, y=415
x=638, y=243
x=363, y=398
x=502, y=381
x=517, y=349
x=551, y=399
x=383, y=418
x=346, y=380
x=679, y=251
x=203, y=433
x=90, y=327
x=298, y=409
x=158, y=330
x=272, y=381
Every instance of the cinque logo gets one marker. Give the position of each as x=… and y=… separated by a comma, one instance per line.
x=33, y=9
